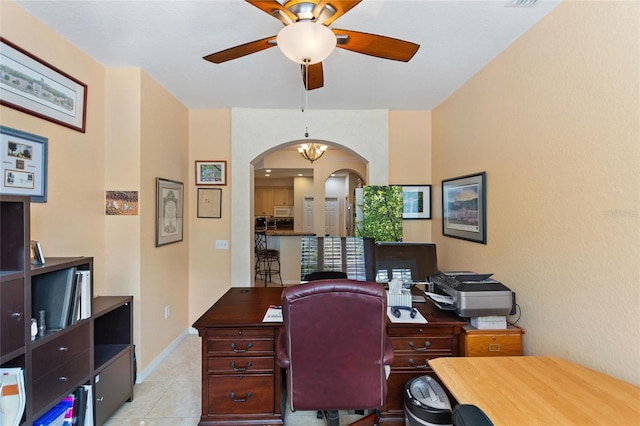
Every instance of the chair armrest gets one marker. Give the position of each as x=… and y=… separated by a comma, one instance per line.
x=387, y=359
x=282, y=357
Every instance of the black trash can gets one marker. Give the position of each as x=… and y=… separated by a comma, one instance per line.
x=426, y=403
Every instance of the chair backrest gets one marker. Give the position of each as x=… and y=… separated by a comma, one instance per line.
x=260, y=241
x=325, y=275
x=335, y=337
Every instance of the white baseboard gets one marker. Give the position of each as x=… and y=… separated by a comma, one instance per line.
x=142, y=375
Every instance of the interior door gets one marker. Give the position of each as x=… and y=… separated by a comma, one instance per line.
x=331, y=217
x=307, y=215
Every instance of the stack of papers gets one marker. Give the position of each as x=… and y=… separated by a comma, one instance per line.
x=274, y=314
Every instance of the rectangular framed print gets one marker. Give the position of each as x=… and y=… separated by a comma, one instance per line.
x=169, y=211
x=30, y=85
x=211, y=172
x=210, y=203
x=23, y=164
x=416, y=202
x=464, y=206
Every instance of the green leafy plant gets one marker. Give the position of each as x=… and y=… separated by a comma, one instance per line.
x=382, y=213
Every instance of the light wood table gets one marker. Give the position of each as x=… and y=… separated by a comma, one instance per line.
x=539, y=390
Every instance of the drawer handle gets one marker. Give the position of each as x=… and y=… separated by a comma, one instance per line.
x=426, y=345
x=494, y=347
x=233, y=365
x=246, y=397
x=62, y=379
x=412, y=362
x=233, y=346
x=100, y=399
x=63, y=349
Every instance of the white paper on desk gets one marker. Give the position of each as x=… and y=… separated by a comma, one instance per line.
x=405, y=317
x=439, y=298
x=273, y=315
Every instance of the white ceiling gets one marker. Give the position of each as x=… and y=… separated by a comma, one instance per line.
x=169, y=38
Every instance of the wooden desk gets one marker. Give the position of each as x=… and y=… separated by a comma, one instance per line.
x=242, y=384
x=539, y=390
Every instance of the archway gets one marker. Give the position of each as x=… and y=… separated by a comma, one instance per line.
x=258, y=132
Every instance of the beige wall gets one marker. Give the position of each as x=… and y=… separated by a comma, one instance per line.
x=410, y=161
x=122, y=163
x=71, y=222
x=553, y=121
x=164, y=276
x=209, y=269
x=135, y=131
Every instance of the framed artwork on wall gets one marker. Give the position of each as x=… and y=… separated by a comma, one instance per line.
x=169, y=211
x=210, y=203
x=211, y=172
x=416, y=202
x=23, y=164
x=30, y=85
x=464, y=207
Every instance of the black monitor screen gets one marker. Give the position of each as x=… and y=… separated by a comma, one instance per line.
x=410, y=262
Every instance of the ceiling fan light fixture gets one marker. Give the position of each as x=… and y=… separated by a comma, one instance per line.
x=306, y=42
x=312, y=151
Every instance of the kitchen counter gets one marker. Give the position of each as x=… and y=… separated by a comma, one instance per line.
x=286, y=233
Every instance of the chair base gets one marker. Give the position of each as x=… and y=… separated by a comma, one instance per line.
x=332, y=418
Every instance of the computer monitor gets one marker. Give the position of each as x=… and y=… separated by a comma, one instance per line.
x=409, y=262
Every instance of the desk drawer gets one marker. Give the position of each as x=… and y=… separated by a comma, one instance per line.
x=63, y=379
x=429, y=330
x=415, y=362
x=60, y=350
x=422, y=343
x=240, y=346
x=240, y=365
x=492, y=345
x=240, y=332
x=250, y=394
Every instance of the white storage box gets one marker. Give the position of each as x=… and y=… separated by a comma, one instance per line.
x=489, y=323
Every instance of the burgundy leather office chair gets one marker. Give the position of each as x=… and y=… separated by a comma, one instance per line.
x=334, y=346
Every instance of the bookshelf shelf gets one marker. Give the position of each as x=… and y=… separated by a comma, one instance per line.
x=94, y=337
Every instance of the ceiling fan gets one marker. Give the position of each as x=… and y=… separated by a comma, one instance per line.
x=311, y=18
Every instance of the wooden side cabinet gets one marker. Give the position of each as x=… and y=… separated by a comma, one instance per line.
x=474, y=342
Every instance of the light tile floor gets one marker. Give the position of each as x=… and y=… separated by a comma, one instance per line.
x=170, y=395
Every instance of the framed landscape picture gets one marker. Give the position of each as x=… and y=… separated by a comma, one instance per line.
x=464, y=206
x=30, y=85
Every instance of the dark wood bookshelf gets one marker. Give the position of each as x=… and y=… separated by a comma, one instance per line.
x=59, y=362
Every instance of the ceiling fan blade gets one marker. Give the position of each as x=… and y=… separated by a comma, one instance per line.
x=274, y=9
x=313, y=78
x=241, y=50
x=376, y=45
x=341, y=7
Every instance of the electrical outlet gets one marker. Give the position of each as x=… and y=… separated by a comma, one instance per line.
x=167, y=311
x=222, y=244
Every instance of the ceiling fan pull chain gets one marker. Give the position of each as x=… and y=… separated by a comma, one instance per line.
x=306, y=83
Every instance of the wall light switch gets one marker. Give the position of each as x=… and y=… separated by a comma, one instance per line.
x=222, y=244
